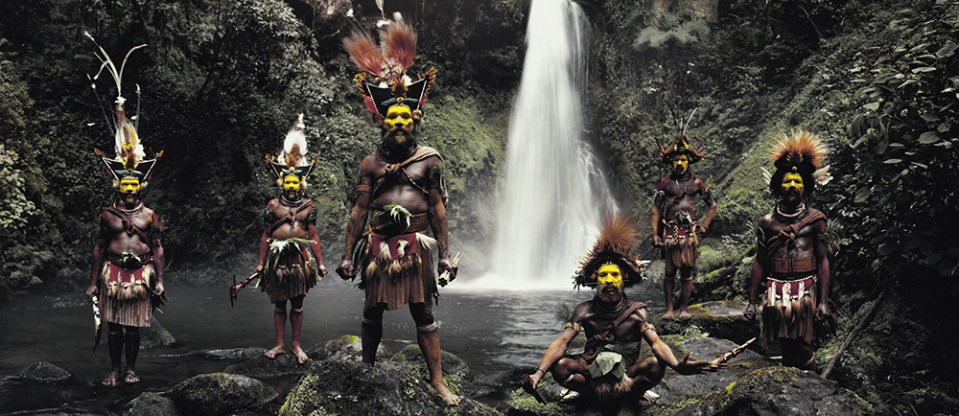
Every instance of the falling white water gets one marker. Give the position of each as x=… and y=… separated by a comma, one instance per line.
x=553, y=197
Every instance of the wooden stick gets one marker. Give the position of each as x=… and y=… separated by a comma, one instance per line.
x=852, y=335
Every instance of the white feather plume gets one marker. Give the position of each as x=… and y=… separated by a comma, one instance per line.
x=294, y=145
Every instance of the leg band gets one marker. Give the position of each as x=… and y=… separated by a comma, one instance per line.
x=424, y=329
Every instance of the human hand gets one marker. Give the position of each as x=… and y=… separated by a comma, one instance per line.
x=687, y=367
x=446, y=265
x=323, y=271
x=750, y=312
x=657, y=241
x=259, y=269
x=345, y=270
x=700, y=228
x=91, y=291
x=823, y=311
x=159, y=289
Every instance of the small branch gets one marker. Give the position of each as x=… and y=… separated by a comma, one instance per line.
x=808, y=17
x=852, y=335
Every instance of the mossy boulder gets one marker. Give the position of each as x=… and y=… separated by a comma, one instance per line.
x=44, y=372
x=347, y=387
x=344, y=347
x=152, y=404
x=776, y=391
x=263, y=367
x=234, y=353
x=220, y=393
x=155, y=336
x=720, y=319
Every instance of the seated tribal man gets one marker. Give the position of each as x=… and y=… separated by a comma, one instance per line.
x=674, y=220
x=290, y=260
x=791, y=255
x=401, y=190
x=610, y=374
x=126, y=279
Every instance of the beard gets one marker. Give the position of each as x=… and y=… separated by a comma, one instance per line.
x=397, y=143
x=609, y=295
x=130, y=198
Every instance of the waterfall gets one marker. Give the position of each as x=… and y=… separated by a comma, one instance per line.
x=553, y=197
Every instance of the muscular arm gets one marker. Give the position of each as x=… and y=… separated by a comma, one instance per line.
x=822, y=259
x=437, y=217
x=711, y=203
x=159, y=260
x=354, y=227
x=757, y=272
x=655, y=216
x=557, y=349
x=103, y=237
x=316, y=248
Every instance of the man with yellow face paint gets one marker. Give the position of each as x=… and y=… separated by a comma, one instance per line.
x=791, y=256
x=674, y=220
x=400, y=199
x=610, y=374
x=126, y=277
x=291, y=259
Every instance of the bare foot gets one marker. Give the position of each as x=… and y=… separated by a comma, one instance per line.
x=300, y=355
x=684, y=315
x=277, y=350
x=447, y=396
x=668, y=315
x=130, y=377
x=112, y=379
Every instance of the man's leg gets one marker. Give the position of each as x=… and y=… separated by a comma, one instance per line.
x=804, y=356
x=115, y=345
x=371, y=332
x=429, y=341
x=686, y=273
x=296, y=322
x=132, y=343
x=279, y=325
x=668, y=285
x=571, y=373
x=646, y=374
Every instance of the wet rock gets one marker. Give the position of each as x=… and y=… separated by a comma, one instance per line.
x=44, y=372
x=155, y=336
x=345, y=347
x=234, y=353
x=775, y=391
x=220, y=393
x=263, y=367
x=152, y=404
x=675, y=388
x=521, y=403
x=720, y=319
x=352, y=388
x=61, y=412
x=452, y=365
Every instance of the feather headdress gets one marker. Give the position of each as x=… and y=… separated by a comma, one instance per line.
x=292, y=159
x=615, y=241
x=802, y=152
x=681, y=147
x=130, y=156
x=383, y=77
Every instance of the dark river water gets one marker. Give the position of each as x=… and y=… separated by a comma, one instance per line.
x=491, y=331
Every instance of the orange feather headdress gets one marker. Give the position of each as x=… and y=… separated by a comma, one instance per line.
x=802, y=152
x=616, y=240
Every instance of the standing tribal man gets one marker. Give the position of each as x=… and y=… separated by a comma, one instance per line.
x=402, y=192
x=290, y=260
x=674, y=220
x=126, y=278
x=609, y=373
x=791, y=255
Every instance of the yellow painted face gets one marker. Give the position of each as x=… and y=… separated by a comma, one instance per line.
x=792, y=180
x=609, y=274
x=680, y=164
x=129, y=185
x=399, y=116
x=291, y=183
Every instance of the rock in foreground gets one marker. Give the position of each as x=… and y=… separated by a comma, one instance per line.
x=220, y=394
x=44, y=372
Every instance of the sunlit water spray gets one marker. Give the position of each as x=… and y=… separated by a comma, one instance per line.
x=554, y=196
